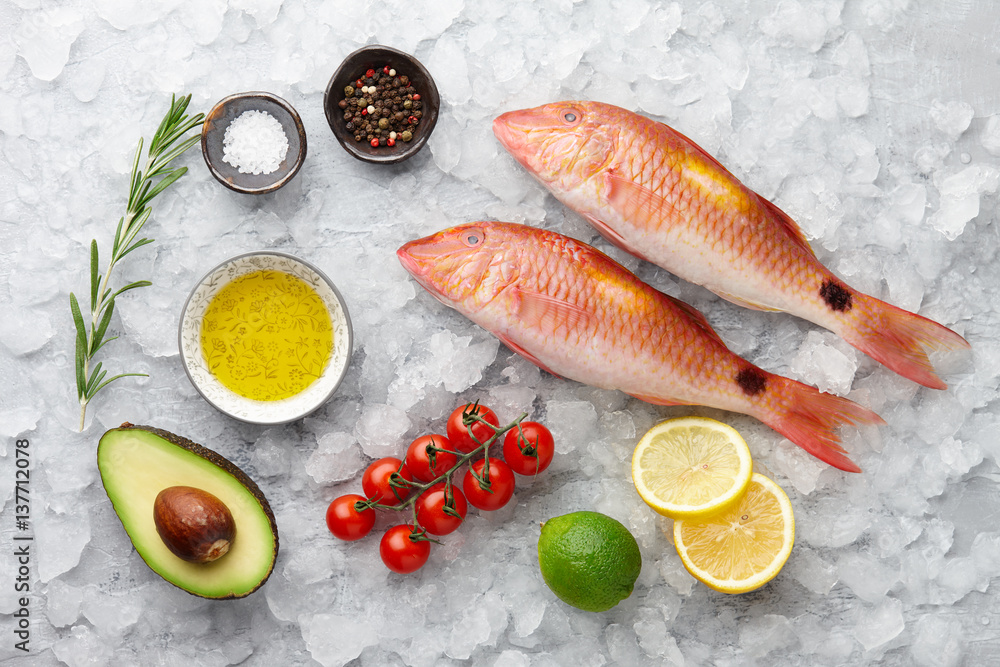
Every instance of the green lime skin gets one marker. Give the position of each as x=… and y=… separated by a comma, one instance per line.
x=589, y=560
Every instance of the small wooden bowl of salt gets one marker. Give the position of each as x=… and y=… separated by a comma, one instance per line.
x=253, y=142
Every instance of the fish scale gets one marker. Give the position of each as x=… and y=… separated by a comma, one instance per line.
x=578, y=314
x=656, y=194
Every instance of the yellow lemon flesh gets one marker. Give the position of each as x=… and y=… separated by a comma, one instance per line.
x=691, y=467
x=744, y=547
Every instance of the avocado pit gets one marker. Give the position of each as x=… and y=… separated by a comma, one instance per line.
x=194, y=524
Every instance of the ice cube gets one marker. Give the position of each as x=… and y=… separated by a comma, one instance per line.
x=44, y=39
x=938, y=641
x=111, y=615
x=62, y=603
x=264, y=12
x=337, y=458
x=991, y=135
x=867, y=576
x=451, y=70
x=335, y=639
x=61, y=538
x=87, y=78
x=802, y=469
x=810, y=570
x=510, y=658
x=82, y=646
x=446, y=144
x=952, y=118
x=480, y=625
x=380, y=430
x=825, y=361
x=270, y=455
x=960, y=194
x=880, y=623
x=803, y=25
x=571, y=423
x=761, y=635
x=623, y=645
x=830, y=526
x=657, y=641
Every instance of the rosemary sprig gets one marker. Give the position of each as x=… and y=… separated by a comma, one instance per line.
x=168, y=142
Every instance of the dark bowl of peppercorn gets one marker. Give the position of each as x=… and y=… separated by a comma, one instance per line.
x=382, y=104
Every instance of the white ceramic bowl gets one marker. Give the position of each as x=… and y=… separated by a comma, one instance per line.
x=228, y=401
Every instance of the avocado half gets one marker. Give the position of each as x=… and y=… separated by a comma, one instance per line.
x=137, y=462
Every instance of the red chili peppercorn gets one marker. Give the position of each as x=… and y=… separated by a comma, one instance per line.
x=416, y=97
x=359, y=83
x=374, y=143
x=412, y=120
x=369, y=74
x=364, y=112
x=391, y=142
x=385, y=70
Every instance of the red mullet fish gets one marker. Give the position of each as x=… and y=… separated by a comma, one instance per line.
x=576, y=313
x=656, y=194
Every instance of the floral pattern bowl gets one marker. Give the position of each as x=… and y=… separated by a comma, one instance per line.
x=264, y=411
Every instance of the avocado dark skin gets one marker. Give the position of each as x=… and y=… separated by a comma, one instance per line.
x=138, y=462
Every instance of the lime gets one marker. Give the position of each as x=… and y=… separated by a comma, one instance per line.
x=691, y=467
x=744, y=547
x=588, y=559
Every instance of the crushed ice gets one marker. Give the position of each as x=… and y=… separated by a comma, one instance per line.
x=820, y=105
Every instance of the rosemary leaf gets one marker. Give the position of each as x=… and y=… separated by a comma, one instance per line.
x=98, y=339
x=112, y=379
x=137, y=244
x=148, y=179
x=95, y=275
x=96, y=377
x=138, y=283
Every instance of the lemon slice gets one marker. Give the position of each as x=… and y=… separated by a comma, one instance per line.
x=744, y=547
x=691, y=467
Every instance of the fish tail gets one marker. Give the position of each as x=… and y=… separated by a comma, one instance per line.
x=810, y=419
x=900, y=340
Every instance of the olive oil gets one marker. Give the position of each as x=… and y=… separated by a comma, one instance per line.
x=267, y=335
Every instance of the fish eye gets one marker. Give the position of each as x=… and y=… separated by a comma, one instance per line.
x=569, y=117
x=473, y=237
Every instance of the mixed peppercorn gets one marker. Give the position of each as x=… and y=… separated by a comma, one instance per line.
x=382, y=108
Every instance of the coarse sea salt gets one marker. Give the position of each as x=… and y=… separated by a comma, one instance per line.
x=255, y=143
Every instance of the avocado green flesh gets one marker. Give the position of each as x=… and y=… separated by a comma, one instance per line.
x=137, y=464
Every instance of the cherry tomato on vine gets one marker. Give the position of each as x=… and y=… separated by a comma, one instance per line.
x=345, y=521
x=376, y=484
x=428, y=466
x=531, y=453
x=500, y=488
x=400, y=552
x=432, y=513
x=458, y=432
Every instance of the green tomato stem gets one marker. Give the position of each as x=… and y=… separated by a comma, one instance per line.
x=420, y=487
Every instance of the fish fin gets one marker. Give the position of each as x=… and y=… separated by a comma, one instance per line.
x=695, y=148
x=752, y=305
x=901, y=340
x=698, y=317
x=549, y=312
x=635, y=202
x=524, y=353
x=656, y=400
x=546, y=312
x=794, y=231
x=810, y=417
x=610, y=234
